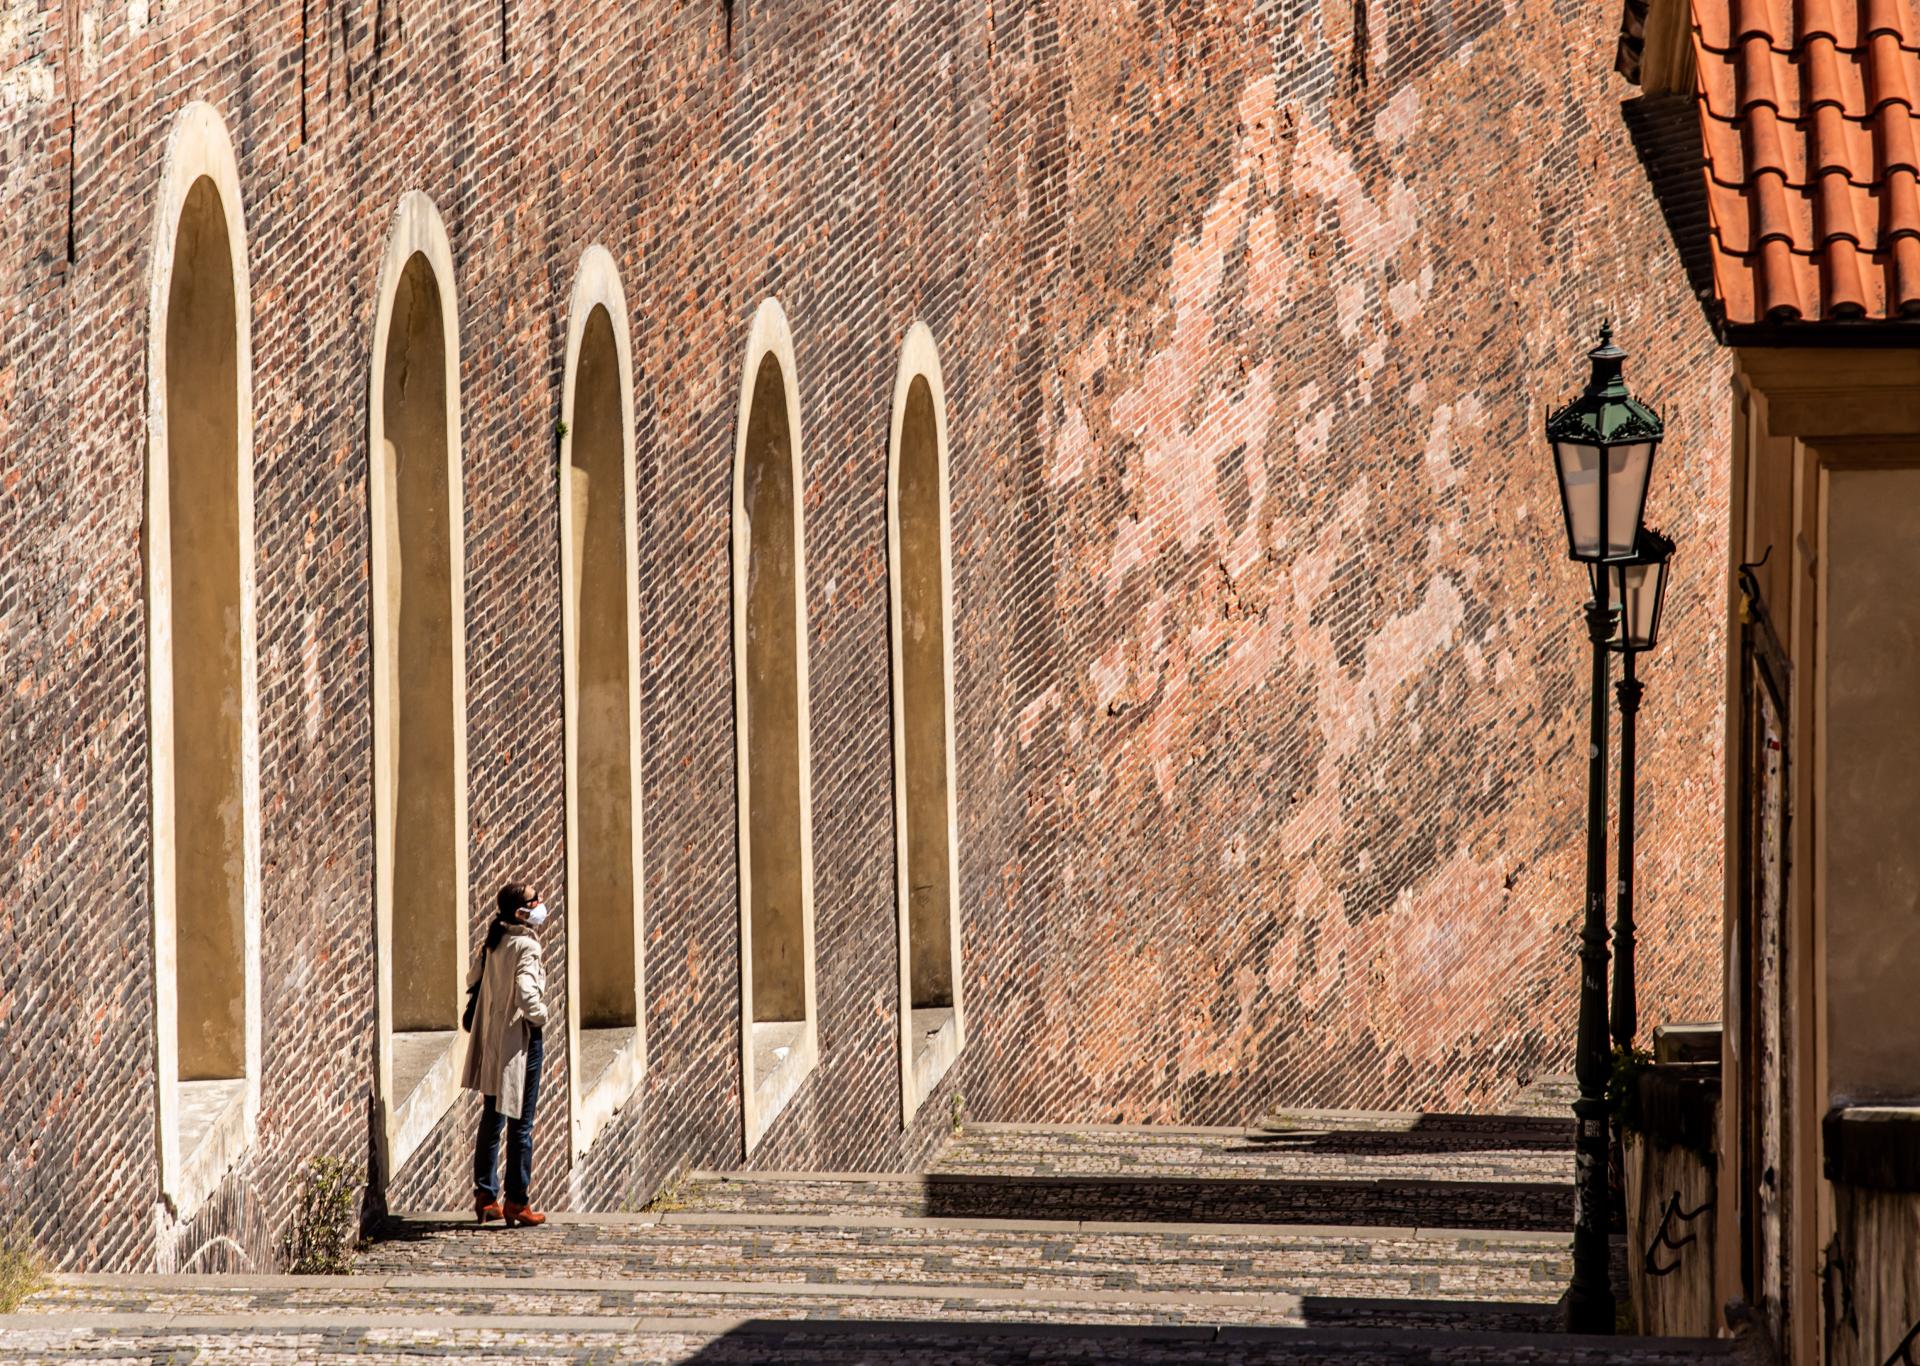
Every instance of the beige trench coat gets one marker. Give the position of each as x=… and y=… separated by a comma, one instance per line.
x=513, y=996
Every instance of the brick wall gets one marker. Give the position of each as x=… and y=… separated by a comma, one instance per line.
x=1267, y=674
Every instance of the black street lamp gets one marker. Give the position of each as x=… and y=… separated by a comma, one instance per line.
x=1640, y=585
x=1603, y=448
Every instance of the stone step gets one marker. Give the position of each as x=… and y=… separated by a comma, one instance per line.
x=1431, y=1129
x=1299, y=1143
x=1549, y=1095
x=1063, y=1257
x=164, y=1300
x=1519, y=1205
x=378, y=1340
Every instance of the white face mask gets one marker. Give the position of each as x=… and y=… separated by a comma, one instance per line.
x=536, y=914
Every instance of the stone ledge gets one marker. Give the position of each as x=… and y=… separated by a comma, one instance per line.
x=600, y=1098
x=1875, y=1146
x=224, y=1135
x=1679, y=1042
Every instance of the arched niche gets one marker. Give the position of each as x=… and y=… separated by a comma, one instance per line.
x=414, y=500
x=600, y=636
x=778, y=1026
x=920, y=603
x=203, y=709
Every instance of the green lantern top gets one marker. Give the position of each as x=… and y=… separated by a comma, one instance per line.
x=1606, y=413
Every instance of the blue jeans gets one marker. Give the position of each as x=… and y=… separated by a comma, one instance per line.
x=486, y=1144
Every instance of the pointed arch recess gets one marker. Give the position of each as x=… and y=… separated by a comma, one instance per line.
x=418, y=560
x=600, y=637
x=203, y=708
x=779, y=1029
x=920, y=612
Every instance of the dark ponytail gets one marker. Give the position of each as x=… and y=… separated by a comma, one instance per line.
x=513, y=898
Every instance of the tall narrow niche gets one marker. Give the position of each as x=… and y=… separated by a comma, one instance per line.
x=919, y=574
x=203, y=709
x=419, y=725
x=779, y=1036
x=600, y=629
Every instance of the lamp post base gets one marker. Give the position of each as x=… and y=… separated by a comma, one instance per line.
x=1590, y=1303
x=1594, y=1316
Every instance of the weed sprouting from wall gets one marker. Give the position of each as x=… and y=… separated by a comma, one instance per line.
x=22, y=1270
x=325, y=1233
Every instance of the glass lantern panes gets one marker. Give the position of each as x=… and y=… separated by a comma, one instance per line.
x=1627, y=467
x=1638, y=589
x=1580, y=496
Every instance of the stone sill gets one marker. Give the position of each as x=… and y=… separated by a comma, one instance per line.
x=216, y=1129
x=783, y=1053
x=935, y=1043
x=428, y=1082
x=598, y=1098
x=1687, y=1043
x=1875, y=1146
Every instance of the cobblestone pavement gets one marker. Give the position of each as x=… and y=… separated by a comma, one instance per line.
x=987, y=1255
x=265, y=1300
x=838, y=1344
x=885, y=1268
x=1549, y=1096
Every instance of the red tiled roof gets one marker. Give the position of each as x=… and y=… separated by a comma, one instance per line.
x=1807, y=115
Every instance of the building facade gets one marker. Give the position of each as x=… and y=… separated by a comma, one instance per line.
x=989, y=559
x=1795, y=1153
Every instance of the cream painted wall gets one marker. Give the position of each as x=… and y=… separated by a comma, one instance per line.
x=427, y=947
x=772, y=629
x=602, y=696
x=922, y=726
x=1871, y=822
x=209, y=875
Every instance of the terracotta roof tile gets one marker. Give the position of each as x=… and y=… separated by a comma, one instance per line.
x=1811, y=156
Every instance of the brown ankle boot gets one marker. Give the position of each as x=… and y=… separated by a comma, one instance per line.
x=518, y=1216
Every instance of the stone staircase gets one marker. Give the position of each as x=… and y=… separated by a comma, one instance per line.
x=1308, y=1237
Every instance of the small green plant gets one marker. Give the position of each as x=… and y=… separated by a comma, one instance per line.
x=21, y=1269
x=560, y=429
x=1623, y=1088
x=326, y=1225
x=957, y=1110
x=672, y=1194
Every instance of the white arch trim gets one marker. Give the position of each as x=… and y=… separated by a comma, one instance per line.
x=923, y=1061
x=762, y=1098
x=595, y=1101
x=198, y=146
x=416, y=228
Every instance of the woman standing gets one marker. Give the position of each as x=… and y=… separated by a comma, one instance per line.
x=508, y=1008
